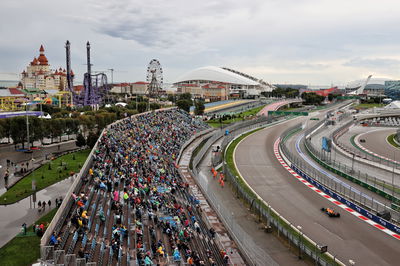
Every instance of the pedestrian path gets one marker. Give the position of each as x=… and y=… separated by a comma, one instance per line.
x=25, y=211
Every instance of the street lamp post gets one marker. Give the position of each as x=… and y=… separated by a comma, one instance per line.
x=299, y=228
x=27, y=123
x=237, y=186
x=394, y=158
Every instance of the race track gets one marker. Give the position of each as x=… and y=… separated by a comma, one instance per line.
x=376, y=142
x=346, y=237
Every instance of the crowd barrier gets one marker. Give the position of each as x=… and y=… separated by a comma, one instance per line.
x=261, y=208
x=369, y=182
x=328, y=190
x=358, y=153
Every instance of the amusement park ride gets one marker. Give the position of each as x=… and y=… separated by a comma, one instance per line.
x=154, y=78
x=95, y=88
x=95, y=91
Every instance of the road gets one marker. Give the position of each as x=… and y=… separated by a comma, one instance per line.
x=347, y=237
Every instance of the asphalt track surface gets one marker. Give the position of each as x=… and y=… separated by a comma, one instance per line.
x=347, y=237
x=376, y=141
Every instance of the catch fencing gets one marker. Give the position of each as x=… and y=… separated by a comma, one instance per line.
x=343, y=190
x=381, y=187
x=274, y=221
x=358, y=153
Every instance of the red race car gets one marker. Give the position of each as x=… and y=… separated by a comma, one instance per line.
x=330, y=212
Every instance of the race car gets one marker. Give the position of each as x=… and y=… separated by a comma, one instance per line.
x=330, y=212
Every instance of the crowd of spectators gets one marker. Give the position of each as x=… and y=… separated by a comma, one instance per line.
x=135, y=166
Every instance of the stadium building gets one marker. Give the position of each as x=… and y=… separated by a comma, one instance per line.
x=219, y=83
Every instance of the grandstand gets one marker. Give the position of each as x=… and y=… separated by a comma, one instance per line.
x=386, y=121
x=131, y=206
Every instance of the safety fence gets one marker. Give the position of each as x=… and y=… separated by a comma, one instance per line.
x=368, y=181
x=344, y=193
x=274, y=221
x=389, y=190
x=358, y=152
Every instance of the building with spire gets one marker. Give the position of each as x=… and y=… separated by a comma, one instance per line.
x=39, y=77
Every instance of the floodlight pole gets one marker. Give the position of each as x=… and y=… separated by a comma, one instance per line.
x=27, y=123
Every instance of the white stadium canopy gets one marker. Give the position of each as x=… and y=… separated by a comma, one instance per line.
x=393, y=105
x=212, y=73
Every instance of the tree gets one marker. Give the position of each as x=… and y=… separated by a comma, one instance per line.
x=36, y=129
x=185, y=96
x=142, y=106
x=80, y=140
x=330, y=97
x=91, y=139
x=155, y=106
x=56, y=128
x=5, y=128
x=184, y=101
x=71, y=126
x=184, y=105
x=6, y=125
x=199, y=107
x=48, y=108
x=171, y=98
x=18, y=130
x=312, y=98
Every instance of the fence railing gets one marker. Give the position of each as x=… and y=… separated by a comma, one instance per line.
x=358, y=153
x=265, y=212
x=336, y=185
x=383, y=188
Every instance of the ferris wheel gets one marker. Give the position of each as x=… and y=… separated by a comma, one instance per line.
x=154, y=77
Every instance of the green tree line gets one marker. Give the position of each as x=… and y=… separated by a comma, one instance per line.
x=84, y=123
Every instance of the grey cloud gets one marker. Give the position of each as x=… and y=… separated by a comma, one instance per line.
x=373, y=63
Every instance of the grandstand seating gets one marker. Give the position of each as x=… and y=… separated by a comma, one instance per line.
x=155, y=220
x=383, y=121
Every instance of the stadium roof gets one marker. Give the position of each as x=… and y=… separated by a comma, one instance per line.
x=212, y=73
x=393, y=105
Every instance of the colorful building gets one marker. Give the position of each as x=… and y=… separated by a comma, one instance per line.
x=39, y=76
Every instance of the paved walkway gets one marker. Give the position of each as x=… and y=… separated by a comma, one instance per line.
x=14, y=215
x=8, y=152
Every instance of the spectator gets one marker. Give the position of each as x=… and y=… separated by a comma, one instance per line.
x=136, y=163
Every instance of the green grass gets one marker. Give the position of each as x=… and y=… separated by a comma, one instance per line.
x=45, y=177
x=390, y=139
x=368, y=105
x=24, y=250
x=230, y=160
x=239, y=117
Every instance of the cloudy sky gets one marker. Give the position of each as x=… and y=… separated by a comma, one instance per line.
x=319, y=42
